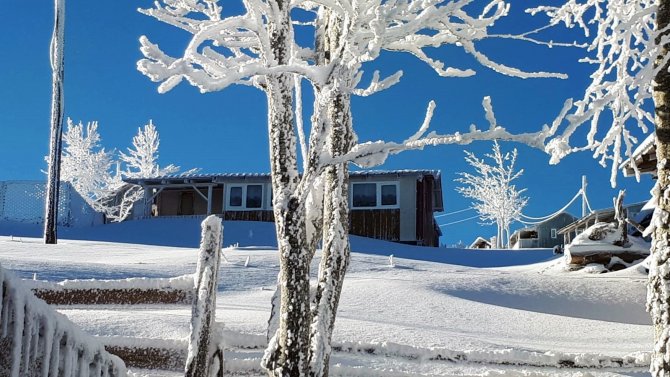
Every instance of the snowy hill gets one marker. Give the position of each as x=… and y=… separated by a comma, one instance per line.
x=417, y=318
x=185, y=232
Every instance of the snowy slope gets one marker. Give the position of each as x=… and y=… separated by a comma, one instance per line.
x=411, y=316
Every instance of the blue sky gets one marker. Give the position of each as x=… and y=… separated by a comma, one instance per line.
x=226, y=131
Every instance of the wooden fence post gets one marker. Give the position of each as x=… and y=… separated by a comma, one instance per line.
x=203, y=353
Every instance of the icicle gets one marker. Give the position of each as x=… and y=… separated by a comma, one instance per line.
x=97, y=365
x=55, y=351
x=84, y=368
x=48, y=344
x=27, y=336
x=7, y=310
x=2, y=289
x=17, y=334
x=35, y=341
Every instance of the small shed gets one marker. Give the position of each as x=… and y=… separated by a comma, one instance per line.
x=480, y=243
x=393, y=205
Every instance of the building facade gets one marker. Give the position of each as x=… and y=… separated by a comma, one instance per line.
x=390, y=205
x=543, y=235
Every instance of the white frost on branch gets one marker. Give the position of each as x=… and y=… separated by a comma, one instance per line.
x=621, y=45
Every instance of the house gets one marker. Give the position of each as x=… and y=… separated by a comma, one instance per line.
x=542, y=235
x=395, y=205
x=569, y=231
x=643, y=157
x=480, y=243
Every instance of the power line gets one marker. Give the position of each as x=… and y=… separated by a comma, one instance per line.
x=460, y=221
x=455, y=212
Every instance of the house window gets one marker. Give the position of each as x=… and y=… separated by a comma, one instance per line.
x=553, y=232
x=242, y=197
x=389, y=195
x=254, y=196
x=235, y=196
x=364, y=195
x=374, y=195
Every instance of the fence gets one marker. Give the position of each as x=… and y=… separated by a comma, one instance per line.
x=23, y=201
x=37, y=341
x=204, y=352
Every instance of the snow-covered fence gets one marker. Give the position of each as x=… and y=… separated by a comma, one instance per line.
x=205, y=353
x=37, y=341
x=23, y=201
x=135, y=291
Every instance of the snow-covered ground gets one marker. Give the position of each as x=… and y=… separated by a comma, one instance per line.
x=436, y=312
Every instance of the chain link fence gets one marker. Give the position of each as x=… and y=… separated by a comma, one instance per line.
x=24, y=201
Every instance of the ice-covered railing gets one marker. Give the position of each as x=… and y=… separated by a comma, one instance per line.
x=205, y=351
x=35, y=340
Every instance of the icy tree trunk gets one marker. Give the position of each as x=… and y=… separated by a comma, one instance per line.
x=205, y=357
x=336, y=249
x=288, y=349
x=56, y=142
x=620, y=217
x=658, y=294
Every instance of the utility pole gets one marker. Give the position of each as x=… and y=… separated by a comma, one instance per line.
x=584, y=205
x=55, y=144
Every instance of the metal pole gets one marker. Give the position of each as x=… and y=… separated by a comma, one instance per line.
x=583, y=196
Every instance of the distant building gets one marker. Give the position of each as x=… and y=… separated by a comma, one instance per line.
x=480, y=243
x=395, y=205
x=542, y=235
x=569, y=231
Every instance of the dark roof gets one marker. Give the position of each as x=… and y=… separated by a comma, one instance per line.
x=217, y=177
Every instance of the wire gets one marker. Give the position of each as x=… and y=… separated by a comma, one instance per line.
x=455, y=212
x=460, y=221
x=588, y=205
x=551, y=216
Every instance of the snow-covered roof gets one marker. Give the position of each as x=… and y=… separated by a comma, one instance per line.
x=217, y=177
x=644, y=157
x=478, y=241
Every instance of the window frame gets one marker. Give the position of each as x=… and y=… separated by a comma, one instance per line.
x=554, y=233
x=244, y=207
x=378, y=195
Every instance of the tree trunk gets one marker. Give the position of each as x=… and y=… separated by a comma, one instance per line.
x=658, y=295
x=56, y=140
x=336, y=249
x=288, y=350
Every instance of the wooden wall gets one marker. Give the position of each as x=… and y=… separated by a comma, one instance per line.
x=375, y=223
x=426, y=233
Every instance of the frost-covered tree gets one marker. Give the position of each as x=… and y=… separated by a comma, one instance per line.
x=85, y=163
x=627, y=42
x=88, y=167
x=142, y=159
x=495, y=198
x=56, y=125
x=258, y=48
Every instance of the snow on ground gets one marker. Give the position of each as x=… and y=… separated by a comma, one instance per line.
x=487, y=307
